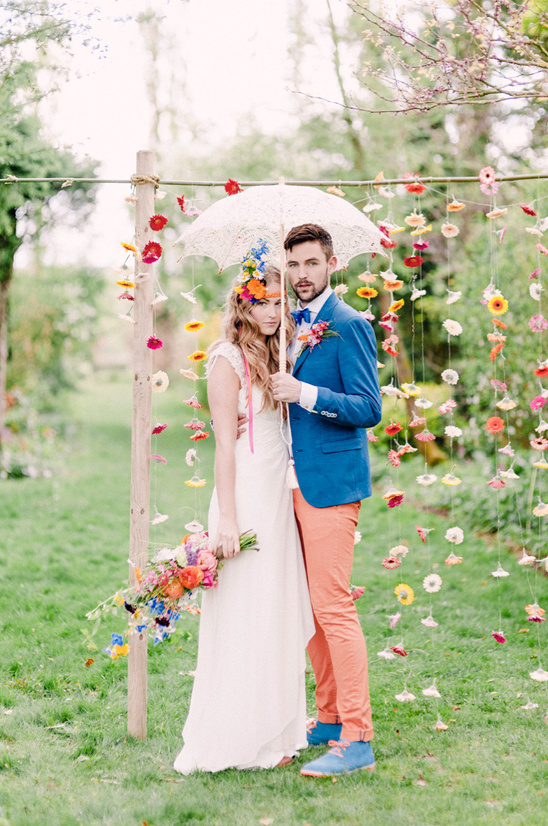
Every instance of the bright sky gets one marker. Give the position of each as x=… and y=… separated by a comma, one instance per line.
x=233, y=58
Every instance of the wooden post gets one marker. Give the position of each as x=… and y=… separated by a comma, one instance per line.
x=140, y=439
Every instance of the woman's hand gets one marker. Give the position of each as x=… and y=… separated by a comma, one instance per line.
x=227, y=539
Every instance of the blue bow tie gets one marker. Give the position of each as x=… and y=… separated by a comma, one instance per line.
x=302, y=315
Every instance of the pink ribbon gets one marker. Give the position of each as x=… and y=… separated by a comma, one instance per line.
x=249, y=402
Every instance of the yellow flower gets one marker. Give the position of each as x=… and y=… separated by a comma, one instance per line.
x=497, y=305
x=397, y=305
x=129, y=247
x=366, y=292
x=195, y=482
x=127, y=284
x=404, y=593
x=393, y=285
x=198, y=355
x=422, y=230
x=410, y=389
x=542, y=463
x=194, y=325
x=451, y=480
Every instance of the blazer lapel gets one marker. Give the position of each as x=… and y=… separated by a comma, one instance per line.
x=324, y=315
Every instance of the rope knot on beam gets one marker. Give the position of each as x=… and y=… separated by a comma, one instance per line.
x=136, y=180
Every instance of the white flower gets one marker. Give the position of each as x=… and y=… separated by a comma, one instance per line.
x=386, y=654
x=340, y=289
x=440, y=725
x=194, y=526
x=534, y=231
x=535, y=291
x=190, y=457
x=424, y=403
x=160, y=381
x=398, y=550
x=506, y=403
x=426, y=479
x=432, y=583
x=452, y=296
x=525, y=558
x=416, y=219
x=455, y=535
x=452, y=327
x=357, y=537
x=164, y=555
x=371, y=207
x=490, y=292
x=452, y=431
x=416, y=294
x=431, y=691
x=158, y=518
x=405, y=696
x=126, y=317
x=429, y=621
x=450, y=376
x=500, y=572
x=508, y=474
x=449, y=230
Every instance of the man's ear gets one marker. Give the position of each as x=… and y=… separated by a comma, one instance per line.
x=332, y=264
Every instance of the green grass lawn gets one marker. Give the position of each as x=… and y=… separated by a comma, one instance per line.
x=65, y=757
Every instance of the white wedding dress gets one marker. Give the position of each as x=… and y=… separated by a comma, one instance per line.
x=248, y=706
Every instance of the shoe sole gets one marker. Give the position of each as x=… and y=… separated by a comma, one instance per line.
x=337, y=774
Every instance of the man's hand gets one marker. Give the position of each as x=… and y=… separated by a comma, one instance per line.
x=285, y=388
x=242, y=421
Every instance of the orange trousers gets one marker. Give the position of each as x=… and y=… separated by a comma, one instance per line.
x=337, y=650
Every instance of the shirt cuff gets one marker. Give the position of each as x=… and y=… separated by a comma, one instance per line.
x=309, y=396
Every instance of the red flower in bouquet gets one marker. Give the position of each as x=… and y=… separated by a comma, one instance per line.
x=191, y=576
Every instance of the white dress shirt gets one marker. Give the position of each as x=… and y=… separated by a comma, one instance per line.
x=309, y=392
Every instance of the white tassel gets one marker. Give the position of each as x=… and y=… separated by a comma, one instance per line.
x=291, y=476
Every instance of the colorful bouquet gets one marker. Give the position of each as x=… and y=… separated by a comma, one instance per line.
x=167, y=586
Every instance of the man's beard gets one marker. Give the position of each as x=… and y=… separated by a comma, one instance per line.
x=317, y=291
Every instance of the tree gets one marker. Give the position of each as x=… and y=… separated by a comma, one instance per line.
x=455, y=53
x=29, y=32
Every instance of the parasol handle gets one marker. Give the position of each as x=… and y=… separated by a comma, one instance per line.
x=283, y=289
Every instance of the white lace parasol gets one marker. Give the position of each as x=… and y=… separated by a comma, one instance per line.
x=228, y=229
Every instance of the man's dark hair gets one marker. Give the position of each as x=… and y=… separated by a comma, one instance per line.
x=309, y=232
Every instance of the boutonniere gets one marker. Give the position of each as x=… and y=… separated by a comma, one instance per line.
x=315, y=335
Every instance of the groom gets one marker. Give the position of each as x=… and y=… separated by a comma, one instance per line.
x=334, y=395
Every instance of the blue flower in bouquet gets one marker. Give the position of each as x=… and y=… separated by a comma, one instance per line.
x=117, y=647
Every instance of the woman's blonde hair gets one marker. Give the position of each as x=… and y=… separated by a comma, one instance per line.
x=239, y=327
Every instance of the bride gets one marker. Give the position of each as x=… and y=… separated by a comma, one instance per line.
x=248, y=706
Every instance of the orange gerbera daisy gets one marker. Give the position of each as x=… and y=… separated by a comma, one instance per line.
x=393, y=428
x=366, y=292
x=393, y=285
x=498, y=323
x=256, y=288
x=496, y=350
x=495, y=424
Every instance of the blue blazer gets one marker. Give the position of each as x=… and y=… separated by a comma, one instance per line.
x=330, y=443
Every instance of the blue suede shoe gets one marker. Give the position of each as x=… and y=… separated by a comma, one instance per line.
x=319, y=734
x=342, y=758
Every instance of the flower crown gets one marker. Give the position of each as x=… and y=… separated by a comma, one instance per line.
x=251, y=284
